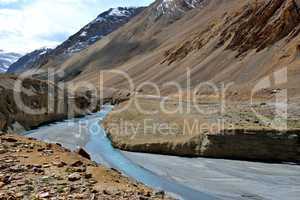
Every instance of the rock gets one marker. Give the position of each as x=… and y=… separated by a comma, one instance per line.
x=80, y=169
x=76, y=169
x=83, y=153
x=28, y=188
x=106, y=192
x=19, y=195
x=48, y=151
x=44, y=195
x=41, y=149
x=20, y=183
x=92, y=181
x=37, y=170
x=3, y=151
x=88, y=175
x=79, y=196
x=74, y=177
x=49, y=146
x=59, y=164
x=7, y=179
x=11, y=140
x=31, y=146
x=77, y=164
x=160, y=194
x=58, y=144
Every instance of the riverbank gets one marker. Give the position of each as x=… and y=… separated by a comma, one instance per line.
x=189, y=178
x=237, y=133
x=87, y=133
x=29, y=103
x=35, y=170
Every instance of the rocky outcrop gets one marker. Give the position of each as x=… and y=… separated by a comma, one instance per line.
x=254, y=145
x=262, y=24
x=256, y=26
x=35, y=170
x=49, y=102
x=11, y=110
x=178, y=53
x=17, y=104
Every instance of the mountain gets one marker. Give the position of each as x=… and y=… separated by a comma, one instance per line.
x=103, y=25
x=137, y=37
x=29, y=60
x=232, y=41
x=6, y=59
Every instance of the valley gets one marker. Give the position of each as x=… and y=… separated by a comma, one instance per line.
x=196, y=99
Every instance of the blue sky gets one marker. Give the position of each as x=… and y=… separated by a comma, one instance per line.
x=26, y=25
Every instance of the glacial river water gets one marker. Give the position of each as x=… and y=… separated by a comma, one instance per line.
x=184, y=178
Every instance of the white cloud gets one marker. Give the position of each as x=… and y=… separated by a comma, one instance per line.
x=38, y=23
x=8, y=1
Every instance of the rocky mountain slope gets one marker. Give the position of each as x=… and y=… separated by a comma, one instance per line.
x=220, y=41
x=6, y=59
x=103, y=25
x=29, y=60
x=234, y=42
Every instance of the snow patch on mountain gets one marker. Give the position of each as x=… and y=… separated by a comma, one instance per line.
x=104, y=24
x=120, y=12
x=171, y=6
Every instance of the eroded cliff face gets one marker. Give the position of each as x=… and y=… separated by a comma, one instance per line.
x=254, y=145
x=34, y=95
x=237, y=133
x=257, y=25
x=28, y=103
x=262, y=24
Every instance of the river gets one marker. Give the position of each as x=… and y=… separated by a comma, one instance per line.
x=184, y=178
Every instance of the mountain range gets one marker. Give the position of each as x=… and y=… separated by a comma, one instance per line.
x=103, y=25
x=232, y=41
x=6, y=59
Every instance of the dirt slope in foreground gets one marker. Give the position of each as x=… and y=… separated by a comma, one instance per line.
x=34, y=170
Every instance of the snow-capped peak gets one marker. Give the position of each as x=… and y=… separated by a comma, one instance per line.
x=104, y=24
x=168, y=6
x=119, y=12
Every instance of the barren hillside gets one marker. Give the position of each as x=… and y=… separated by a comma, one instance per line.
x=221, y=41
